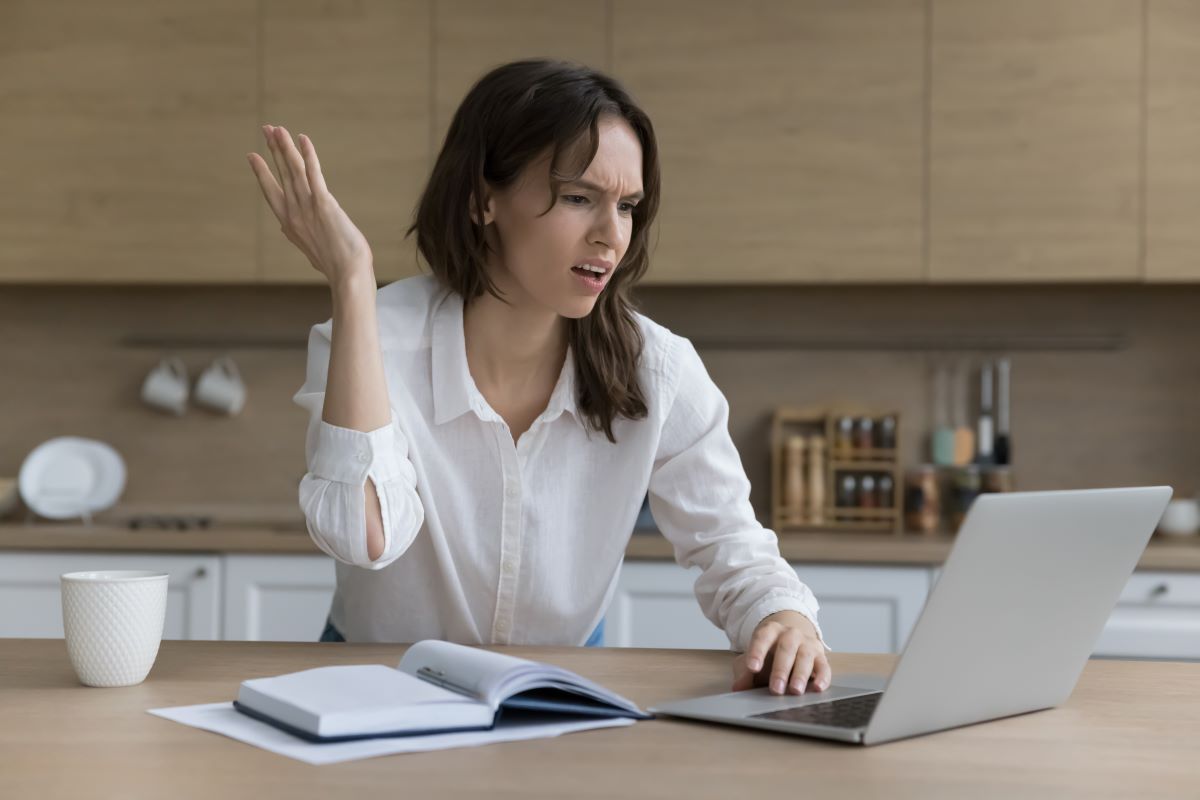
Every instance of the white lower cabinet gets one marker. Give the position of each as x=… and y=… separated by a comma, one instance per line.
x=863, y=609
x=277, y=598
x=1157, y=616
x=31, y=599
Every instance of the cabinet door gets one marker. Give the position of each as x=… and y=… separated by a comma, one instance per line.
x=355, y=78
x=1157, y=616
x=790, y=136
x=1173, y=141
x=31, y=599
x=866, y=609
x=470, y=37
x=654, y=606
x=1034, y=140
x=126, y=125
x=277, y=598
x=863, y=609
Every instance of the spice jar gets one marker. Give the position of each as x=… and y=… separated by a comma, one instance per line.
x=884, y=491
x=844, y=441
x=922, y=503
x=865, y=438
x=847, y=491
x=965, y=486
x=866, y=492
x=885, y=433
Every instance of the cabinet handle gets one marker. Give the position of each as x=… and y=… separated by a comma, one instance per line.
x=1158, y=591
x=200, y=572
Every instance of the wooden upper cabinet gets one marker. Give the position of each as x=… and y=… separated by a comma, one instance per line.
x=123, y=142
x=470, y=37
x=1034, y=140
x=790, y=136
x=355, y=78
x=1173, y=141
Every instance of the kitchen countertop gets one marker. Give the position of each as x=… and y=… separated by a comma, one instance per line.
x=65, y=739
x=284, y=536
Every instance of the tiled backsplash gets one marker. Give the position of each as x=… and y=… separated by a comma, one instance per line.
x=1105, y=386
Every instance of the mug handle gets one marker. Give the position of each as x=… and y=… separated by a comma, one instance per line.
x=175, y=365
x=226, y=365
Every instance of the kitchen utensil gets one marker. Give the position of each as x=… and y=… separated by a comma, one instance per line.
x=942, y=440
x=986, y=432
x=113, y=624
x=166, y=386
x=964, y=437
x=1003, y=449
x=70, y=476
x=220, y=387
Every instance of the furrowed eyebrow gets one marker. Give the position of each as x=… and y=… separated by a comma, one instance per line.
x=589, y=185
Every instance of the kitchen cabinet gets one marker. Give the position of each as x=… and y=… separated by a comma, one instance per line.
x=356, y=79
x=470, y=37
x=790, y=135
x=277, y=598
x=1157, y=616
x=1034, y=140
x=863, y=609
x=1173, y=140
x=125, y=129
x=31, y=599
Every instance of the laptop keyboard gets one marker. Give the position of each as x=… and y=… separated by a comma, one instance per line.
x=847, y=712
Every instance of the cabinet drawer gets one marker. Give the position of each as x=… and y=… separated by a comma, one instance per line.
x=1157, y=616
x=1162, y=589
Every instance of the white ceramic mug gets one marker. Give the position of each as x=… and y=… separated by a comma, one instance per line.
x=220, y=387
x=1181, y=518
x=113, y=621
x=166, y=387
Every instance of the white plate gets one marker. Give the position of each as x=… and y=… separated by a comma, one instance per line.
x=69, y=476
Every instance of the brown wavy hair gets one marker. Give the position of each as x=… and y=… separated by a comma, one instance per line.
x=508, y=118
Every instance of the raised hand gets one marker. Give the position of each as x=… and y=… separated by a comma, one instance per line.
x=308, y=214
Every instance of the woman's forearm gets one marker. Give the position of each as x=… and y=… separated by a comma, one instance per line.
x=356, y=394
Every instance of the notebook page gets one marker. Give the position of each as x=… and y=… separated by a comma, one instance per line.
x=477, y=671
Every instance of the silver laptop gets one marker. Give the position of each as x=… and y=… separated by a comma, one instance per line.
x=1008, y=628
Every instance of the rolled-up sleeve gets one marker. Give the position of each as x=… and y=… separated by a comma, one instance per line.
x=339, y=461
x=700, y=499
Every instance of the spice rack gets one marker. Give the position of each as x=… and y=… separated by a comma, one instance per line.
x=828, y=453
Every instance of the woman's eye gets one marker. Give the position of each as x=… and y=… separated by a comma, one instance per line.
x=573, y=197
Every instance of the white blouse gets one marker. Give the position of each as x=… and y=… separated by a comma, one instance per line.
x=488, y=541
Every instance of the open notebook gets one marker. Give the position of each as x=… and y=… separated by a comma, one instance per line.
x=438, y=687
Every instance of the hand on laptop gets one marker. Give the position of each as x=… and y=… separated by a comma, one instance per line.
x=784, y=652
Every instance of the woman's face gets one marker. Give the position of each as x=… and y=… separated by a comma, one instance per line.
x=533, y=258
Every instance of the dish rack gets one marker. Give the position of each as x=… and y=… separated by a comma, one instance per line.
x=838, y=460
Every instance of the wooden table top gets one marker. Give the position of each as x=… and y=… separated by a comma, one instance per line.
x=1130, y=729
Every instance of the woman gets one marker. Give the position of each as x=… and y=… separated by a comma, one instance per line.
x=481, y=438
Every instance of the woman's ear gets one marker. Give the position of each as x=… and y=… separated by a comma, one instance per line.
x=489, y=212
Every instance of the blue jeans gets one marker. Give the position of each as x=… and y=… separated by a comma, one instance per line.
x=332, y=634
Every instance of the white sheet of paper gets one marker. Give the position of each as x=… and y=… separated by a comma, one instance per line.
x=224, y=719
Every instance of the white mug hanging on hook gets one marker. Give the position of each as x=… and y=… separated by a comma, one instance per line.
x=166, y=386
x=220, y=387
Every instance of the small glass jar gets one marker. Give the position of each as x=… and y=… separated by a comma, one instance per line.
x=866, y=492
x=865, y=437
x=885, y=491
x=847, y=491
x=844, y=441
x=885, y=433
